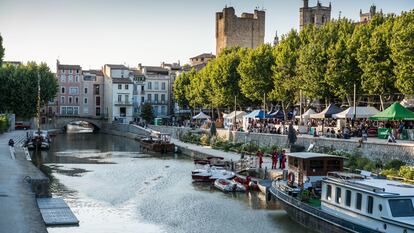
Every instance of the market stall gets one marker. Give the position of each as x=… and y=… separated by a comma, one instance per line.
x=395, y=112
x=229, y=118
x=325, y=114
x=256, y=114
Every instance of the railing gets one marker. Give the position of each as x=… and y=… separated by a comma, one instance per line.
x=123, y=103
x=318, y=213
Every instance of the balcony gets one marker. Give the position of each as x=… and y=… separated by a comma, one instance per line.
x=123, y=103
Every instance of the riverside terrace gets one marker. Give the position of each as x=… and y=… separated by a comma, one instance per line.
x=373, y=148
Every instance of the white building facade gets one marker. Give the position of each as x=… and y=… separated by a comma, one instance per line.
x=118, y=89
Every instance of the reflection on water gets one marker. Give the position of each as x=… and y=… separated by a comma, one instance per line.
x=111, y=187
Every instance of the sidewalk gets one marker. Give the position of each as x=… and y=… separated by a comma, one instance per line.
x=20, y=213
x=267, y=161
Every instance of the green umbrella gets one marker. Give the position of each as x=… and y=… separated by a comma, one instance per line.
x=395, y=112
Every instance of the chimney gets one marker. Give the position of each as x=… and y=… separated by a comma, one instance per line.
x=305, y=3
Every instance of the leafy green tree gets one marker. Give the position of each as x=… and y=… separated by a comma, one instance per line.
x=146, y=113
x=402, y=47
x=1, y=50
x=181, y=86
x=285, y=81
x=224, y=78
x=200, y=88
x=19, y=89
x=374, y=57
x=342, y=71
x=255, y=71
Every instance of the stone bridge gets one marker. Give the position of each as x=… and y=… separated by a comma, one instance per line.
x=62, y=121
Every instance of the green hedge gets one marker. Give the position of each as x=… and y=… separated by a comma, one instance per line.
x=4, y=123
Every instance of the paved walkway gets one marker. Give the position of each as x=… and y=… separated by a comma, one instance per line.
x=18, y=208
x=356, y=139
x=267, y=161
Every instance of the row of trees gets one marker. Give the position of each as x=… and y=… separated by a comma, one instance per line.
x=324, y=63
x=18, y=89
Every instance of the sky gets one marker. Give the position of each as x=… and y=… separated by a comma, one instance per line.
x=92, y=33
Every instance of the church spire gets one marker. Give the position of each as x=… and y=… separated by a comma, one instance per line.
x=276, y=40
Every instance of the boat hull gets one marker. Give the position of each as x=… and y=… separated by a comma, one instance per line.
x=314, y=218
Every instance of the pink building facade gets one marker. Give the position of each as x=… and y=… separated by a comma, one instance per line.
x=69, y=97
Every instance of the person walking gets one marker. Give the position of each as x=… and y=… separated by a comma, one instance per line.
x=274, y=159
x=11, y=143
x=283, y=162
x=259, y=154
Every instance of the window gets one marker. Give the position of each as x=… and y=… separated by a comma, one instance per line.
x=77, y=71
x=62, y=71
x=119, y=98
x=348, y=198
x=62, y=100
x=69, y=110
x=316, y=164
x=73, y=91
x=62, y=110
x=70, y=71
x=370, y=204
x=149, y=86
x=401, y=208
x=97, y=100
x=70, y=99
x=149, y=97
x=163, y=86
x=70, y=79
x=98, y=111
x=162, y=98
x=86, y=90
x=63, y=90
x=156, y=86
x=358, y=201
x=142, y=88
x=63, y=80
x=85, y=101
x=142, y=99
x=96, y=89
x=156, y=98
x=76, y=100
x=122, y=112
x=328, y=192
x=338, y=198
x=119, y=86
x=163, y=110
x=126, y=98
x=77, y=78
x=333, y=165
x=86, y=110
x=75, y=110
x=126, y=86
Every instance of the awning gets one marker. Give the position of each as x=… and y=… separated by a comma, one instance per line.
x=239, y=115
x=327, y=112
x=361, y=112
x=201, y=116
x=306, y=114
x=257, y=114
x=395, y=112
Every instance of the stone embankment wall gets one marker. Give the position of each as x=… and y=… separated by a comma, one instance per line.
x=125, y=130
x=371, y=149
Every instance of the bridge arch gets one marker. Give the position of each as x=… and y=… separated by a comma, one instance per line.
x=63, y=121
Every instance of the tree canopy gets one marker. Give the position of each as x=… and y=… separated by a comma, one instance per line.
x=19, y=88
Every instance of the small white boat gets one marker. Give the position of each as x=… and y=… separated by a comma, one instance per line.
x=229, y=186
x=211, y=173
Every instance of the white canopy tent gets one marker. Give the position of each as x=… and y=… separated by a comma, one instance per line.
x=306, y=115
x=229, y=118
x=201, y=116
x=361, y=112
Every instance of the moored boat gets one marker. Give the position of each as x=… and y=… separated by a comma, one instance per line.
x=211, y=173
x=229, y=186
x=40, y=138
x=264, y=185
x=344, y=202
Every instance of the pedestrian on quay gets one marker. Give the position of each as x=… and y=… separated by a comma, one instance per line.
x=259, y=154
x=283, y=162
x=274, y=159
x=11, y=143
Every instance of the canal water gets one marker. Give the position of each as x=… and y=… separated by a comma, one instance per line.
x=111, y=187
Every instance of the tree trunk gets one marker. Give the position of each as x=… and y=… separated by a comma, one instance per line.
x=382, y=103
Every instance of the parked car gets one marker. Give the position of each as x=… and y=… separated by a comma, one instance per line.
x=22, y=125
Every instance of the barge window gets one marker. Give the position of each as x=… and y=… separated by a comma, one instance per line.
x=316, y=164
x=348, y=198
x=401, y=208
x=358, y=201
x=338, y=195
x=370, y=204
x=328, y=192
x=334, y=165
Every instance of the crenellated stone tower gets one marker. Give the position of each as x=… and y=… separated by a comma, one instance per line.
x=247, y=31
x=317, y=15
